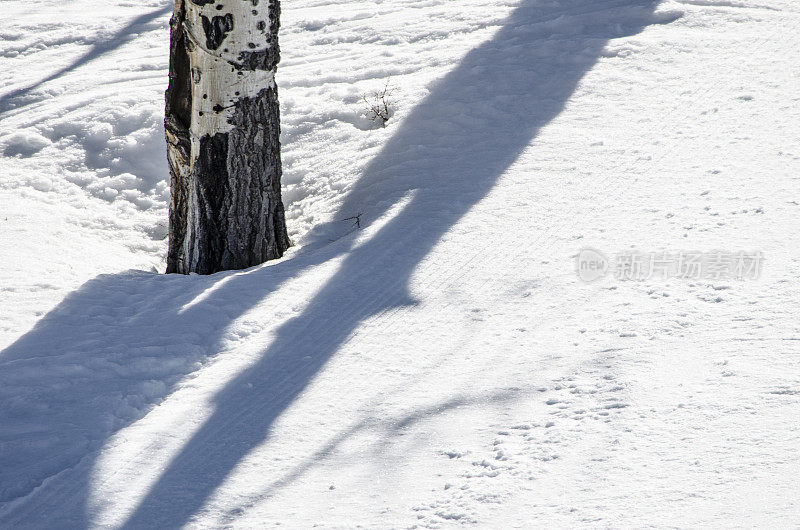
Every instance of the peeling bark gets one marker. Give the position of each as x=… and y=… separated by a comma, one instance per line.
x=222, y=127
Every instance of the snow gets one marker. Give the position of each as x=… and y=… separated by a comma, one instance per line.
x=443, y=365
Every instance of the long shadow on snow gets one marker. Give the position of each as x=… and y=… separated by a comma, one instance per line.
x=124, y=35
x=450, y=151
x=83, y=373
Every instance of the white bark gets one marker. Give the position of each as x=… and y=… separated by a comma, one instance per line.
x=218, y=81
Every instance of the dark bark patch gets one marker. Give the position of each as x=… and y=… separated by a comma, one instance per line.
x=201, y=3
x=239, y=219
x=211, y=172
x=259, y=60
x=217, y=29
x=176, y=127
x=179, y=92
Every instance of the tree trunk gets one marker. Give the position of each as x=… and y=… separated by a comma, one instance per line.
x=222, y=127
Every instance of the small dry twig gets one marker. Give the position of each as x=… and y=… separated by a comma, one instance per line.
x=379, y=107
x=357, y=219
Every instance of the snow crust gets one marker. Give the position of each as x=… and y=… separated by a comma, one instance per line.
x=441, y=366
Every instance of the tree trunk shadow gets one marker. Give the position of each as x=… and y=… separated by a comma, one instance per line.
x=502, y=93
x=94, y=349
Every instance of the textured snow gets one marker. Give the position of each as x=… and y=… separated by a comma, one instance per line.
x=442, y=366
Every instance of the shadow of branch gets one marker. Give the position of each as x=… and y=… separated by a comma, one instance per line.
x=16, y=99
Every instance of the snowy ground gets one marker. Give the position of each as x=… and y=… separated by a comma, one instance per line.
x=444, y=365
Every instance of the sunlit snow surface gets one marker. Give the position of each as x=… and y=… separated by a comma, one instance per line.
x=442, y=365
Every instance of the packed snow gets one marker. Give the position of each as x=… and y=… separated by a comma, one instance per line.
x=425, y=356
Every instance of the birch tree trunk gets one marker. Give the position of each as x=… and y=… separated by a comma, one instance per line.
x=222, y=128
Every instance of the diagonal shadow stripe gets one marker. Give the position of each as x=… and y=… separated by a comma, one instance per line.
x=15, y=99
x=451, y=150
